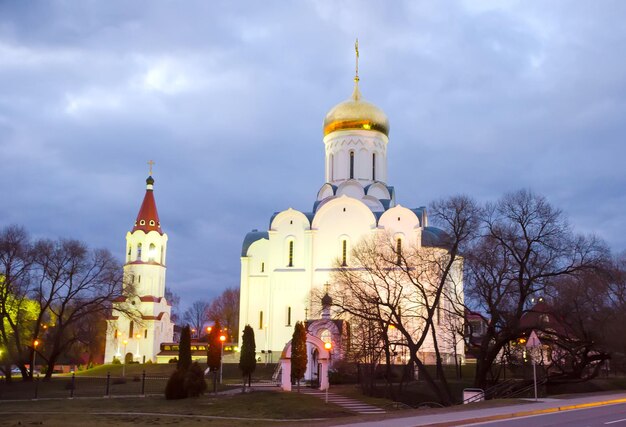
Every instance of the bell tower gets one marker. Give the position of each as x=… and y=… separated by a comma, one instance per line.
x=139, y=338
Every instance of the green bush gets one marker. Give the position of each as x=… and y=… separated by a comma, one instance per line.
x=195, y=385
x=175, y=388
x=149, y=362
x=116, y=361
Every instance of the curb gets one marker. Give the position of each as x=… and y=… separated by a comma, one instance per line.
x=527, y=413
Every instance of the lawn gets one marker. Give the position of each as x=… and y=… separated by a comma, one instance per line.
x=258, y=408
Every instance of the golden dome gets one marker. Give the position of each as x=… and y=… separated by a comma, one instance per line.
x=356, y=114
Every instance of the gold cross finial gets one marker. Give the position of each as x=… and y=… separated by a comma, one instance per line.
x=150, y=163
x=356, y=49
x=326, y=287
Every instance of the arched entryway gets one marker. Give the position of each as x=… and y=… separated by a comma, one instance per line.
x=317, y=363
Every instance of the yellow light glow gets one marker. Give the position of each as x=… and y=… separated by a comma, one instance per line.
x=125, y=342
x=328, y=345
x=138, y=336
x=208, y=328
x=36, y=343
x=222, y=338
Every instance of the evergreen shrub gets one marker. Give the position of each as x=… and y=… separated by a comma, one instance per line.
x=175, y=388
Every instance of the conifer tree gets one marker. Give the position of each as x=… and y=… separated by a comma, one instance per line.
x=184, y=349
x=247, y=358
x=214, y=352
x=298, y=353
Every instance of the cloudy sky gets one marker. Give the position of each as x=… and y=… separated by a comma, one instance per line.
x=228, y=98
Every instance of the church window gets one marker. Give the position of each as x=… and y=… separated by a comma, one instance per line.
x=145, y=333
x=399, y=250
x=152, y=222
x=151, y=252
x=344, y=253
x=290, y=264
x=142, y=222
x=262, y=267
x=288, y=316
x=325, y=336
x=161, y=254
x=130, y=329
x=129, y=251
x=291, y=222
x=351, y=164
x=261, y=319
x=374, y=167
x=438, y=314
x=139, y=251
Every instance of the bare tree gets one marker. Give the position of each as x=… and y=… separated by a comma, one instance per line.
x=73, y=285
x=17, y=311
x=525, y=245
x=404, y=288
x=225, y=308
x=196, y=317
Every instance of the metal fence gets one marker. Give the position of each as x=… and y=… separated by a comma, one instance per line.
x=76, y=386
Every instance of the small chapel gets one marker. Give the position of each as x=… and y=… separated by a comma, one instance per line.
x=139, y=340
x=284, y=267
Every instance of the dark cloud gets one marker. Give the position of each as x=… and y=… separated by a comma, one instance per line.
x=228, y=98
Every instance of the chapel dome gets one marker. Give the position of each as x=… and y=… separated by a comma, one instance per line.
x=355, y=113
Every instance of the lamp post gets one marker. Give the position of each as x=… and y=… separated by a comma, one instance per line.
x=222, y=339
x=328, y=346
x=32, y=368
x=125, y=342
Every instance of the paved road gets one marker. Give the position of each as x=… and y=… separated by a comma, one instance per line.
x=605, y=416
x=606, y=410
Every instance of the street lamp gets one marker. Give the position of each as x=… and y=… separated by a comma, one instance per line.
x=125, y=342
x=32, y=368
x=222, y=339
x=328, y=346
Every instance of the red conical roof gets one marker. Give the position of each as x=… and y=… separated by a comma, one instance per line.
x=148, y=217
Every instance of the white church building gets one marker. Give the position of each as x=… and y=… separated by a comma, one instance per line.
x=283, y=266
x=139, y=339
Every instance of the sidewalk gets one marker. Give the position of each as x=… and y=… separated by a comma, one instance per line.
x=459, y=417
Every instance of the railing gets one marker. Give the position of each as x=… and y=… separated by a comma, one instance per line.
x=277, y=375
x=84, y=386
x=521, y=391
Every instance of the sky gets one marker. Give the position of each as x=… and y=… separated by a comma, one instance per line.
x=228, y=99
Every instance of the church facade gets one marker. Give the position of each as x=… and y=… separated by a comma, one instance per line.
x=138, y=337
x=282, y=268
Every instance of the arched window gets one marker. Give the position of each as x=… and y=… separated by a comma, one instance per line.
x=288, y=322
x=262, y=267
x=162, y=253
x=290, y=260
x=373, y=166
x=130, y=249
x=351, y=164
x=139, y=251
x=344, y=253
x=399, y=250
x=130, y=329
x=261, y=319
x=325, y=336
x=151, y=252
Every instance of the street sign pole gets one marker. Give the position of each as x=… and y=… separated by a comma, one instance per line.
x=533, y=342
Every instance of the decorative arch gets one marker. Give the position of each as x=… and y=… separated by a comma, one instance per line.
x=314, y=346
x=289, y=215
